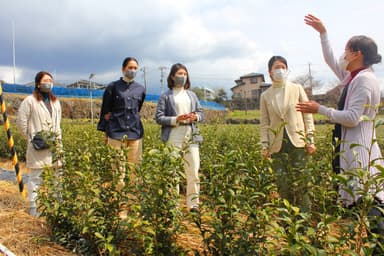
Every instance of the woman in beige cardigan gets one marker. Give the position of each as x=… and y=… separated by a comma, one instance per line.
x=39, y=112
x=360, y=97
x=286, y=134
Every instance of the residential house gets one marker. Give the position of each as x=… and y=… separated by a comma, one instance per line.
x=248, y=89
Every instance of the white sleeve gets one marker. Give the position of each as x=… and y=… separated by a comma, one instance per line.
x=330, y=59
x=23, y=115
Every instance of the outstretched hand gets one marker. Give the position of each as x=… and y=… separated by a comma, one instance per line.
x=308, y=107
x=311, y=149
x=315, y=22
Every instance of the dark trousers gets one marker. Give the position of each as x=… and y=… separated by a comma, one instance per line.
x=292, y=176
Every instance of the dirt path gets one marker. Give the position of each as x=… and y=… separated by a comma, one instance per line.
x=19, y=232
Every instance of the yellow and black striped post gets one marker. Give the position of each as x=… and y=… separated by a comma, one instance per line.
x=11, y=144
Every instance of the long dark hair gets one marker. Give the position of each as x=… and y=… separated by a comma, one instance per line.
x=367, y=47
x=174, y=69
x=37, y=93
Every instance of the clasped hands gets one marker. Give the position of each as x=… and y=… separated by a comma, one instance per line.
x=187, y=118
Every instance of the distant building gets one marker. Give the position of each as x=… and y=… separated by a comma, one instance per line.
x=85, y=84
x=248, y=86
x=209, y=94
x=246, y=93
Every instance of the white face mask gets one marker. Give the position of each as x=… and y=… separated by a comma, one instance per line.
x=280, y=74
x=343, y=63
x=46, y=87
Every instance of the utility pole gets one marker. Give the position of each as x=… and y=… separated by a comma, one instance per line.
x=14, y=52
x=144, y=69
x=162, y=69
x=90, y=94
x=310, y=75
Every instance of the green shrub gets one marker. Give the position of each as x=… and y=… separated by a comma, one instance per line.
x=240, y=213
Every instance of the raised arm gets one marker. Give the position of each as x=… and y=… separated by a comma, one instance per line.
x=328, y=55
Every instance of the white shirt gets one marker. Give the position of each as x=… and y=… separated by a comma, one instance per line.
x=181, y=133
x=182, y=101
x=279, y=92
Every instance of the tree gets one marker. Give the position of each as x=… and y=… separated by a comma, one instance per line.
x=199, y=92
x=220, y=95
x=308, y=81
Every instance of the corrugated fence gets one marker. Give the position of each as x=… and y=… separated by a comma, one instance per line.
x=86, y=93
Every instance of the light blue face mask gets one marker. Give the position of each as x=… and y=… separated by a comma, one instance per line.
x=180, y=81
x=130, y=73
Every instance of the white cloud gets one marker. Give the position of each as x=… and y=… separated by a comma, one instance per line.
x=218, y=40
x=7, y=74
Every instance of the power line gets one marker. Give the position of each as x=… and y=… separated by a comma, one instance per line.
x=14, y=52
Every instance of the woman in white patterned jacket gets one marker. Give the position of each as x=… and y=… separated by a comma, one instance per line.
x=39, y=112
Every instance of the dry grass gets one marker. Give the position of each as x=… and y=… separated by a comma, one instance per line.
x=21, y=233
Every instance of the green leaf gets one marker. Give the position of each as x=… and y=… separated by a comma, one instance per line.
x=98, y=235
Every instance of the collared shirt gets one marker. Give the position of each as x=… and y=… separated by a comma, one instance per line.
x=124, y=101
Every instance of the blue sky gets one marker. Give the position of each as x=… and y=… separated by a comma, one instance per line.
x=217, y=40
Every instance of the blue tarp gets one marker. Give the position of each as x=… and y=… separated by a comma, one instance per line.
x=86, y=93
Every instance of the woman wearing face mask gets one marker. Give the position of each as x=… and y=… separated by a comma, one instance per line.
x=39, y=112
x=120, y=112
x=286, y=135
x=178, y=111
x=360, y=96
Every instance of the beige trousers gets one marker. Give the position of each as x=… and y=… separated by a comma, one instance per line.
x=134, y=156
x=134, y=146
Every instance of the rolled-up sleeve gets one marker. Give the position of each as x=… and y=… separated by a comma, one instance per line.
x=106, y=107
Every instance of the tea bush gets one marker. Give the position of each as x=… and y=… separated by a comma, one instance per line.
x=240, y=213
x=19, y=142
